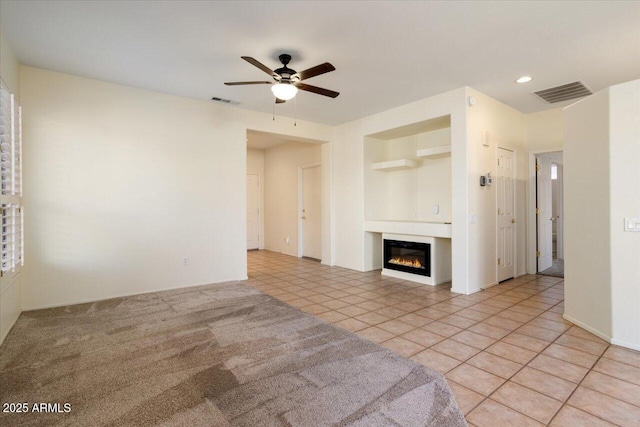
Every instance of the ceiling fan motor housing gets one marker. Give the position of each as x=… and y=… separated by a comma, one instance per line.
x=284, y=73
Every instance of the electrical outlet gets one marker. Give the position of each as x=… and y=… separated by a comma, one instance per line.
x=436, y=209
x=287, y=240
x=185, y=261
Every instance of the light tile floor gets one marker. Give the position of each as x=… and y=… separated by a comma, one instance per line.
x=507, y=353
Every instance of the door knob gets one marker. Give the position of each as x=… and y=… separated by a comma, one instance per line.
x=513, y=220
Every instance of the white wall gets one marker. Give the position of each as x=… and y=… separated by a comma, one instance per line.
x=354, y=248
x=122, y=183
x=10, y=284
x=545, y=131
x=281, y=193
x=255, y=165
x=587, y=268
x=408, y=195
x=500, y=126
x=625, y=202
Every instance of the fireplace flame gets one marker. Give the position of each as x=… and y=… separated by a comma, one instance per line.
x=406, y=262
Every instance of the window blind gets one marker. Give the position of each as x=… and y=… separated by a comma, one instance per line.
x=11, y=224
x=11, y=250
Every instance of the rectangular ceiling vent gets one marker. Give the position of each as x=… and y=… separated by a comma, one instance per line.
x=564, y=92
x=225, y=101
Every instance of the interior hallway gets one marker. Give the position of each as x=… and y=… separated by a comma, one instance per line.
x=507, y=353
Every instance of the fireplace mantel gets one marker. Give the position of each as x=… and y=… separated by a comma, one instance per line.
x=415, y=228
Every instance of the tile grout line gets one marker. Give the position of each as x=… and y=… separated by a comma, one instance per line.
x=578, y=386
x=496, y=340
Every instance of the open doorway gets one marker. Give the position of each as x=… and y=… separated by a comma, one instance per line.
x=549, y=214
x=286, y=191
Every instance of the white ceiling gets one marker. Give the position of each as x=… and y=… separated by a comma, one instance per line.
x=386, y=53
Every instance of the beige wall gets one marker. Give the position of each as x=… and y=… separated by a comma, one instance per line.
x=10, y=285
x=501, y=127
x=545, y=131
x=355, y=248
x=122, y=183
x=281, y=193
x=255, y=165
x=586, y=226
x=9, y=66
x=625, y=202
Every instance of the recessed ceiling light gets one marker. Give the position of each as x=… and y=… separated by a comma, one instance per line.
x=524, y=79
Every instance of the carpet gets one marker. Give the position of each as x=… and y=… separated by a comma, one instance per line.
x=556, y=269
x=215, y=355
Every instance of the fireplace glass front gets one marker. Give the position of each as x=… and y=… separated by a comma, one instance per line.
x=410, y=257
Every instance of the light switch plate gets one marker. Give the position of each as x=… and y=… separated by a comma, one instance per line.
x=632, y=224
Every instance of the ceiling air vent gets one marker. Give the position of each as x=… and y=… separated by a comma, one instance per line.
x=564, y=92
x=225, y=101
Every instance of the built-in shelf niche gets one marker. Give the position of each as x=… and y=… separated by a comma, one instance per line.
x=408, y=171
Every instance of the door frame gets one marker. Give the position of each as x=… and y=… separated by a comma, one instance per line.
x=515, y=213
x=532, y=203
x=260, y=211
x=300, y=185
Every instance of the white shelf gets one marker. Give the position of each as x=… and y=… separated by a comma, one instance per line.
x=415, y=228
x=395, y=165
x=434, y=152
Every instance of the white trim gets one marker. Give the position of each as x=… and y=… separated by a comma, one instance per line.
x=260, y=213
x=588, y=328
x=532, y=237
x=514, y=208
x=300, y=236
x=632, y=346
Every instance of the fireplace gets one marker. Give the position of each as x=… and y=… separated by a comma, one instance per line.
x=408, y=257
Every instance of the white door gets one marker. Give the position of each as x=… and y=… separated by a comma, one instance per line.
x=544, y=214
x=253, y=211
x=506, y=216
x=311, y=214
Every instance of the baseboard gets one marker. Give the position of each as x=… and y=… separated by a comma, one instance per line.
x=90, y=300
x=632, y=346
x=587, y=328
x=489, y=285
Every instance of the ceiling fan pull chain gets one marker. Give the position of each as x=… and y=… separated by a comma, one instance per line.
x=295, y=111
x=274, y=111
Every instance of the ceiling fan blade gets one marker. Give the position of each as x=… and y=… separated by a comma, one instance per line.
x=247, y=83
x=258, y=64
x=315, y=71
x=280, y=101
x=318, y=90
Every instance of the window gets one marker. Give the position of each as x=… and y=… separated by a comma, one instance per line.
x=11, y=245
x=11, y=212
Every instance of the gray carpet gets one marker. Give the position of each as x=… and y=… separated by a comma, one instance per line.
x=556, y=269
x=213, y=355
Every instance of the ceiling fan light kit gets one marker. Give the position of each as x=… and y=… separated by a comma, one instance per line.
x=287, y=82
x=284, y=91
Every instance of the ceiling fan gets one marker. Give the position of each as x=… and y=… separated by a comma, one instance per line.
x=286, y=81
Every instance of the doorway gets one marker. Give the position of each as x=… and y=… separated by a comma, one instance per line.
x=253, y=211
x=505, y=179
x=549, y=215
x=310, y=212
